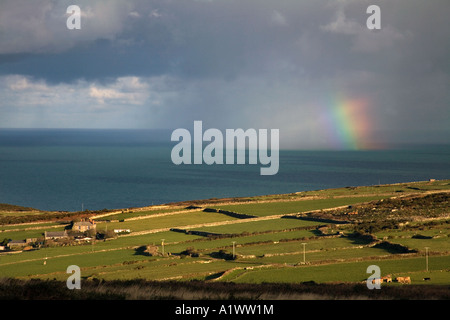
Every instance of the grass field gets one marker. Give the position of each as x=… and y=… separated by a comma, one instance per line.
x=24, y=226
x=349, y=272
x=437, y=244
x=268, y=248
x=351, y=191
x=209, y=245
x=169, y=221
x=325, y=255
x=136, y=214
x=274, y=208
x=260, y=226
x=296, y=246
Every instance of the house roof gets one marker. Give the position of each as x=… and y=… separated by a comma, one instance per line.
x=83, y=223
x=17, y=242
x=55, y=233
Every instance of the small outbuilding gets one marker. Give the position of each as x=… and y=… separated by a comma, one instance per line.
x=122, y=230
x=16, y=244
x=55, y=235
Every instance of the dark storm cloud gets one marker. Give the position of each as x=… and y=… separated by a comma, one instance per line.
x=189, y=38
x=231, y=63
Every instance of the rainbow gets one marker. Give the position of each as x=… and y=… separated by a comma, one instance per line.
x=347, y=123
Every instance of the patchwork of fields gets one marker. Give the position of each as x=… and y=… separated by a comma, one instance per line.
x=311, y=236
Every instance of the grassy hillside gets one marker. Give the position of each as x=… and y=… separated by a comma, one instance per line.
x=325, y=236
x=14, y=209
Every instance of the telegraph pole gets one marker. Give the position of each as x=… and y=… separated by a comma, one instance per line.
x=304, y=253
x=162, y=244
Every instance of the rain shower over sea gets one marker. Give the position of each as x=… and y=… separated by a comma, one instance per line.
x=71, y=169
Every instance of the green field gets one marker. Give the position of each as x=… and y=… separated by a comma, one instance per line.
x=209, y=245
x=266, y=248
x=169, y=221
x=274, y=208
x=296, y=246
x=437, y=244
x=34, y=233
x=261, y=226
x=350, y=272
x=136, y=214
x=381, y=190
x=333, y=255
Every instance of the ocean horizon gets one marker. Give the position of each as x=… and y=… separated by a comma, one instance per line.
x=75, y=169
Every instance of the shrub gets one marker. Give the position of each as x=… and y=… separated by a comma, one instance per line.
x=147, y=250
x=223, y=254
x=190, y=252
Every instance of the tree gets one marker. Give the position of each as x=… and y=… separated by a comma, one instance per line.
x=91, y=233
x=102, y=234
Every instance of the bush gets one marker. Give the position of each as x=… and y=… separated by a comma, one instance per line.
x=190, y=252
x=147, y=250
x=419, y=236
x=394, y=247
x=223, y=254
x=101, y=235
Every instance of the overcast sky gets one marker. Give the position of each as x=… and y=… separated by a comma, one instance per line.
x=232, y=64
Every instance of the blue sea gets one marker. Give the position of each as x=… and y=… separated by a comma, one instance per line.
x=70, y=170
